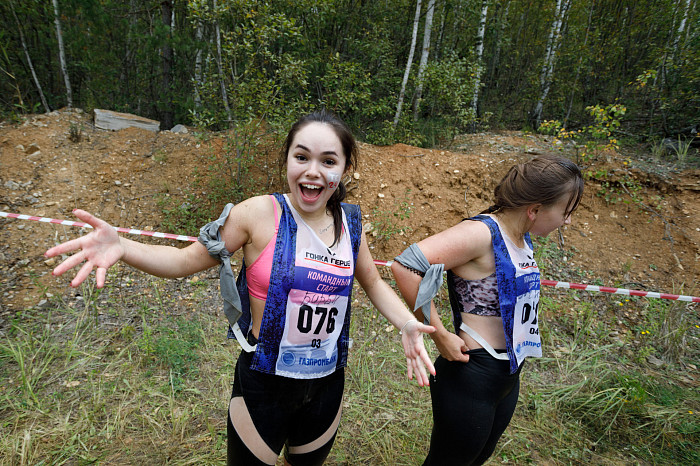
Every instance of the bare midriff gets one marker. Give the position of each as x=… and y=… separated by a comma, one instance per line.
x=489, y=327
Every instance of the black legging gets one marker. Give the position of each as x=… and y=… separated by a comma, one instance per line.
x=473, y=403
x=285, y=412
x=239, y=454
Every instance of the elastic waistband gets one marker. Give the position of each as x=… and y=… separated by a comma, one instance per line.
x=482, y=358
x=497, y=354
x=484, y=352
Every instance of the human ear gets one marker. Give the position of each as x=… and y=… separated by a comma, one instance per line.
x=532, y=211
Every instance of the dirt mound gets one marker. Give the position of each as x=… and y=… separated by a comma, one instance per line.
x=637, y=226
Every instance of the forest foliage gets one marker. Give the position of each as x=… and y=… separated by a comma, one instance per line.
x=222, y=63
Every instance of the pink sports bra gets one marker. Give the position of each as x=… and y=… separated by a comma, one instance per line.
x=258, y=273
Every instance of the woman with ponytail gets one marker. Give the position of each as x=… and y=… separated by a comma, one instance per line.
x=494, y=287
x=290, y=306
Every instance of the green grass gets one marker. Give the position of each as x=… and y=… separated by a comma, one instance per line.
x=140, y=373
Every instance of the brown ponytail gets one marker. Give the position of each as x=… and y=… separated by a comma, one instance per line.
x=541, y=180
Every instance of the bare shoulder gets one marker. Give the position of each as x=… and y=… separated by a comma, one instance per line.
x=249, y=218
x=252, y=209
x=464, y=232
x=473, y=230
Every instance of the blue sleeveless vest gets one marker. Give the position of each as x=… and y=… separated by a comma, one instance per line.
x=281, y=282
x=518, y=296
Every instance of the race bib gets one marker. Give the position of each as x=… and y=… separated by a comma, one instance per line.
x=316, y=306
x=526, y=333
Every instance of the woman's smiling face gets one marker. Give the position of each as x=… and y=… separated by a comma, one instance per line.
x=315, y=159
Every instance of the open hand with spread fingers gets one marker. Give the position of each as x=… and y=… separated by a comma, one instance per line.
x=99, y=249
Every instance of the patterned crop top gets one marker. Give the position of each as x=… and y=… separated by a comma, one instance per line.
x=258, y=273
x=479, y=297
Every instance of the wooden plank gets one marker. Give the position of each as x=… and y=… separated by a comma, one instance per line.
x=109, y=120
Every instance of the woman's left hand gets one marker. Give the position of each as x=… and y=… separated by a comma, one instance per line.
x=417, y=358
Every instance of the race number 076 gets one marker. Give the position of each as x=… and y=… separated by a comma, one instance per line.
x=306, y=319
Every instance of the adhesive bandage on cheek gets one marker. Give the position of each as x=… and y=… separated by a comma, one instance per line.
x=333, y=180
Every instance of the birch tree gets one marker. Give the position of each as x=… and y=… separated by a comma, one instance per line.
x=62, y=55
x=681, y=29
x=217, y=33
x=671, y=48
x=167, y=63
x=580, y=63
x=29, y=60
x=125, y=71
x=199, y=36
x=407, y=72
x=202, y=16
x=423, y=58
x=479, y=54
x=441, y=32
x=497, y=43
x=553, y=44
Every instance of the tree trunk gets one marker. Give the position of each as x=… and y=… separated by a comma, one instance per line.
x=224, y=96
x=62, y=55
x=407, y=72
x=550, y=57
x=479, y=55
x=423, y=58
x=496, y=55
x=199, y=35
x=441, y=32
x=669, y=56
x=124, y=74
x=679, y=34
x=580, y=64
x=167, y=63
x=29, y=60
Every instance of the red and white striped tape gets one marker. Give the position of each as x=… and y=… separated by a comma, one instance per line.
x=81, y=224
x=607, y=289
x=555, y=284
x=384, y=263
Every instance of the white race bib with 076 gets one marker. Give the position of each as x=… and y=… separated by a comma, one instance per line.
x=316, y=305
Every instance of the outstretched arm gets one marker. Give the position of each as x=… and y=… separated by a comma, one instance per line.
x=391, y=307
x=103, y=247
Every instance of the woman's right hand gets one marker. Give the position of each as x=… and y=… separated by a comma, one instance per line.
x=100, y=249
x=451, y=346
